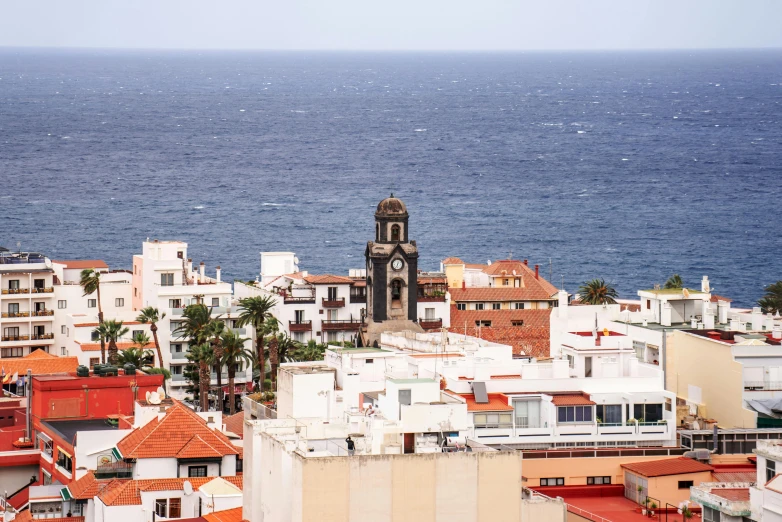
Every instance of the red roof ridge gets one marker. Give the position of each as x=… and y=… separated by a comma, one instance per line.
x=663, y=467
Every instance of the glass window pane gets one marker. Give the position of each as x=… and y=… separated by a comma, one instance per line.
x=561, y=414
x=570, y=414
x=579, y=414
x=587, y=413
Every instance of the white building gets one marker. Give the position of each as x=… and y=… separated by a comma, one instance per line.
x=766, y=493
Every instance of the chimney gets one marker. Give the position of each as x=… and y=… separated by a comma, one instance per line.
x=537, y=271
x=217, y=272
x=526, y=263
x=464, y=283
x=201, y=269
x=705, y=287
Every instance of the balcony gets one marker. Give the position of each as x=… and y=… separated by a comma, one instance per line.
x=762, y=385
x=48, y=290
x=331, y=325
x=337, y=302
x=431, y=323
x=433, y=297
x=300, y=326
x=111, y=470
x=289, y=299
x=42, y=313
x=13, y=291
x=38, y=337
x=15, y=338
x=13, y=315
x=358, y=299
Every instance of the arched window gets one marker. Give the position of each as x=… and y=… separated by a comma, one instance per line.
x=377, y=232
x=395, y=233
x=396, y=293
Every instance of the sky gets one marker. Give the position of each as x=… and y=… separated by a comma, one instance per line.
x=392, y=24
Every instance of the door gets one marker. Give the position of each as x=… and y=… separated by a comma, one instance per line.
x=587, y=367
x=332, y=293
x=40, y=307
x=409, y=442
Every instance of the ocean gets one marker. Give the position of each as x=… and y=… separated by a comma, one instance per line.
x=627, y=166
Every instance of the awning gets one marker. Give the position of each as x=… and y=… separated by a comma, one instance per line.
x=65, y=494
x=44, y=437
x=116, y=453
x=60, y=450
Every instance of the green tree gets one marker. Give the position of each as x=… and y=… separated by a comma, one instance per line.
x=673, y=282
x=234, y=355
x=215, y=331
x=90, y=284
x=771, y=302
x=312, y=351
x=597, y=292
x=254, y=311
x=158, y=371
x=112, y=331
x=138, y=357
x=202, y=356
x=151, y=316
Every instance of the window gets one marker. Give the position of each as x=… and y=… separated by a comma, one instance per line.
x=609, y=413
x=12, y=352
x=648, y=412
x=710, y=514
x=596, y=481
x=461, y=306
x=527, y=413
x=92, y=303
x=517, y=323
x=332, y=293
x=94, y=336
x=161, y=507
x=167, y=279
x=493, y=420
x=176, y=347
x=176, y=370
x=648, y=304
x=119, y=302
x=518, y=306
x=174, y=508
x=496, y=306
x=771, y=469
x=39, y=284
x=568, y=414
x=571, y=362
x=505, y=282
x=13, y=309
x=479, y=306
x=11, y=333
x=215, y=301
x=136, y=333
x=62, y=303
x=175, y=303
x=369, y=361
x=552, y=481
x=13, y=284
x=94, y=361
x=196, y=471
x=63, y=329
x=429, y=314
x=63, y=351
x=64, y=460
x=47, y=478
x=685, y=484
x=395, y=233
x=482, y=323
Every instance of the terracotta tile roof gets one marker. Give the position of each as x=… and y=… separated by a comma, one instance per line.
x=663, y=467
x=497, y=402
x=715, y=298
x=229, y=515
x=197, y=447
x=575, y=399
x=328, y=279
x=81, y=264
x=475, y=266
x=483, y=294
x=124, y=323
x=87, y=487
x=95, y=347
x=452, y=261
x=26, y=516
x=735, y=476
x=40, y=363
x=732, y=494
x=170, y=435
x=235, y=423
x=128, y=492
x=530, y=339
x=429, y=280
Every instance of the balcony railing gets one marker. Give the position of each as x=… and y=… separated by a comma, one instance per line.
x=42, y=313
x=7, y=291
x=431, y=298
x=16, y=314
x=300, y=326
x=47, y=290
x=341, y=324
x=762, y=385
x=430, y=323
x=16, y=338
x=289, y=299
x=358, y=298
x=114, y=470
x=37, y=337
x=337, y=302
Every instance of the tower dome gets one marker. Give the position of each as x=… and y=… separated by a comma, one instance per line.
x=391, y=207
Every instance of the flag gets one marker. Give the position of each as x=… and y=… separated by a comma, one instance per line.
x=16, y=376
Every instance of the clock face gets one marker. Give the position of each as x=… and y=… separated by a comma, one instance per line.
x=396, y=264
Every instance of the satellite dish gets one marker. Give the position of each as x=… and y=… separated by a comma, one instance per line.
x=514, y=271
x=153, y=398
x=161, y=392
x=148, y=396
x=187, y=487
x=685, y=292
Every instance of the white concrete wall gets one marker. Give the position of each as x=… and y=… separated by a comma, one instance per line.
x=154, y=468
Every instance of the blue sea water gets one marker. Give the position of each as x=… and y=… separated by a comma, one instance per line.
x=626, y=166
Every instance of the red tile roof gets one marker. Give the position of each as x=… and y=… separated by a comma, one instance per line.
x=229, y=515
x=530, y=339
x=452, y=261
x=124, y=323
x=429, y=280
x=179, y=432
x=732, y=494
x=497, y=402
x=506, y=267
x=663, y=467
x=87, y=487
x=40, y=363
x=81, y=264
x=715, y=298
x=95, y=347
x=235, y=423
x=328, y=279
x=575, y=399
x=128, y=492
x=484, y=294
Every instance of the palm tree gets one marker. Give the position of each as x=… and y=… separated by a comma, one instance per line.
x=597, y=292
x=196, y=324
x=90, y=284
x=138, y=357
x=771, y=302
x=151, y=316
x=215, y=331
x=203, y=357
x=271, y=329
x=673, y=282
x=312, y=351
x=234, y=354
x=141, y=340
x=254, y=312
x=113, y=331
